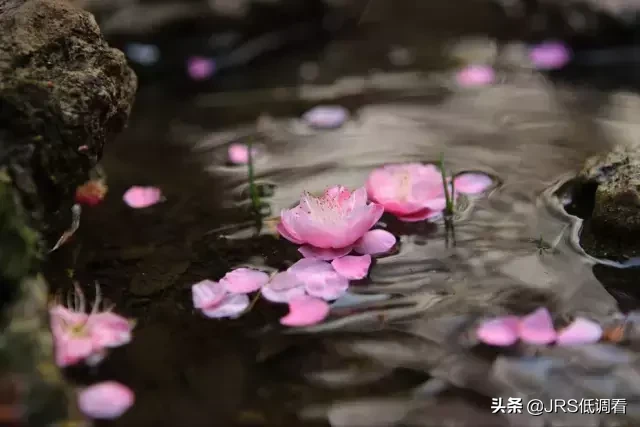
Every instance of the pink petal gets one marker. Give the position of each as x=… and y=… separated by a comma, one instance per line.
x=375, y=242
x=109, y=329
x=329, y=288
x=537, y=327
x=71, y=350
x=475, y=75
x=200, y=68
x=232, y=305
x=550, y=55
x=472, y=183
x=244, y=280
x=283, y=287
x=305, y=311
x=284, y=232
x=328, y=254
x=105, y=400
x=142, y=197
x=326, y=117
x=239, y=153
x=421, y=215
x=352, y=267
x=502, y=331
x=310, y=268
x=207, y=293
x=580, y=331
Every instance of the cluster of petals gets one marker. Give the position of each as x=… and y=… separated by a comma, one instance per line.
x=334, y=224
x=105, y=400
x=415, y=191
x=537, y=328
x=85, y=336
x=306, y=286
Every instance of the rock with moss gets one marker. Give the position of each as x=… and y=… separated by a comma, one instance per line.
x=612, y=181
x=64, y=93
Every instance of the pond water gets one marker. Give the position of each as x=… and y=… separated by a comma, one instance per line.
x=400, y=350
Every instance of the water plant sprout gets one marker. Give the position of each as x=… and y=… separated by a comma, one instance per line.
x=255, y=198
x=450, y=198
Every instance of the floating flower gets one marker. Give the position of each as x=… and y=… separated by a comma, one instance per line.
x=239, y=153
x=215, y=301
x=200, y=68
x=414, y=191
x=475, y=75
x=105, y=400
x=91, y=192
x=86, y=336
x=305, y=311
x=537, y=328
x=139, y=197
x=331, y=225
x=326, y=116
x=550, y=55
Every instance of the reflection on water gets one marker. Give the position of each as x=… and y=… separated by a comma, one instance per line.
x=398, y=349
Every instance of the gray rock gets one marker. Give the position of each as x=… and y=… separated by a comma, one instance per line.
x=613, y=231
x=63, y=94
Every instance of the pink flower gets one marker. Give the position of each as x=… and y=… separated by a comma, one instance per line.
x=139, y=197
x=331, y=225
x=414, y=191
x=86, y=336
x=537, y=328
x=550, y=55
x=239, y=153
x=475, y=75
x=105, y=400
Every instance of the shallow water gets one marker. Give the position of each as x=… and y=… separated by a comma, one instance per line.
x=398, y=352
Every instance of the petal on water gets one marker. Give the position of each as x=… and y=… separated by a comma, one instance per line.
x=330, y=287
x=105, y=400
x=283, y=287
x=475, y=75
x=472, y=183
x=375, y=242
x=329, y=254
x=352, y=267
x=537, y=327
x=305, y=311
x=239, y=153
x=207, y=293
x=244, y=280
x=501, y=331
x=139, y=197
x=232, y=305
x=326, y=117
x=580, y=331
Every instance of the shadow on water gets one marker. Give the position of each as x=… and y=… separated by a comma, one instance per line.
x=402, y=356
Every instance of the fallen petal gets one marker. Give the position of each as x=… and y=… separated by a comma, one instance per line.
x=244, y=280
x=239, y=153
x=472, y=183
x=375, y=242
x=580, y=331
x=329, y=254
x=330, y=287
x=232, y=305
x=550, y=55
x=326, y=117
x=502, y=331
x=305, y=311
x=142, y=197
x=283, y=287
x=105, y=400
x=537, y=327
x=352, y=267
x=475, y=75
x=207, y=293
x=200, y=68
x=310, y=268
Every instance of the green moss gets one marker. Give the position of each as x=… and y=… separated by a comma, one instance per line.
x=15, y=234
